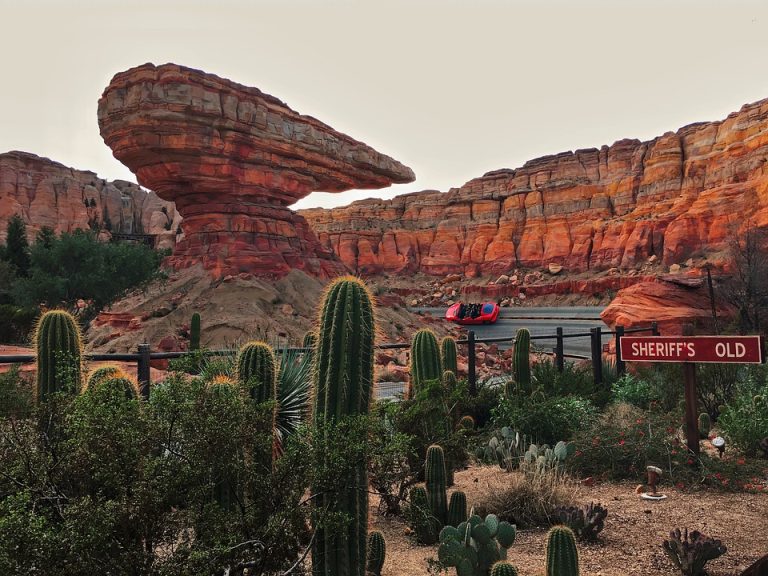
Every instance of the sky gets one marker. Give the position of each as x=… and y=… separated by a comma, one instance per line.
x=451, y=88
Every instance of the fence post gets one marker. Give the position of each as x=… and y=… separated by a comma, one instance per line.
x=597, y=355
x=142, y=369
x=472, y=375
x=620, y=366
x=654, y=328
x=559, y=350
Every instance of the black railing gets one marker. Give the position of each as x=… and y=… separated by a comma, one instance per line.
x=144, y=356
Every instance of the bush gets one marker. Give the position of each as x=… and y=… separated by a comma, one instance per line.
x=745, y=420
x=528, y=498
x=15, y=393
x=546, y=421
x=635, y=391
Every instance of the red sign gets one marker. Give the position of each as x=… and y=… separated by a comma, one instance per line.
x=707, y=349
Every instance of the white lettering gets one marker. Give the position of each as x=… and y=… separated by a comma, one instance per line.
x=741, y=350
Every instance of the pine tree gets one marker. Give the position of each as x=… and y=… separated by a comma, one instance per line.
x=17, y=246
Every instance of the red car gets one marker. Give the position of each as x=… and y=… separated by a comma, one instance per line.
x=485, y=313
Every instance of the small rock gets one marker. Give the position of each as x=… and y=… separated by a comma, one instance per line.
x=652, y=258
x=674, y=268
x=555, y=268
x=514, y=280
x=503, y=279
x=286, y=310
x=689, y=262
x=521, y=296
x=614, y=272
x=414, y=303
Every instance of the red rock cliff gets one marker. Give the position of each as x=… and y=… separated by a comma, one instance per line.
x=233, y=159
x=676, y=195
x=46, y=193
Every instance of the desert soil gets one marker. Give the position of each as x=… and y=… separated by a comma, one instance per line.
x=630, y=544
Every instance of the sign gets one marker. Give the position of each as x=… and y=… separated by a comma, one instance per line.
x=706, y=349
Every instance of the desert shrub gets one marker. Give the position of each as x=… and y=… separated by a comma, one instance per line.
x=634, y=390
x=15, y=393
x=481, y=406
x=575, y=379
x=716, y=385
x=16, y=323
x=528, y=497
x=625, y=439
x=546, y=420
x=745, y=419
x=663, y=380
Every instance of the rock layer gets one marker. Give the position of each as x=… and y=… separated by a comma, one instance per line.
x=46, y=193
x=233, y=158
x=679, y=195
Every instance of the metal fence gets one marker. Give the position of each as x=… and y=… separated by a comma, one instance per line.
x=144, y=355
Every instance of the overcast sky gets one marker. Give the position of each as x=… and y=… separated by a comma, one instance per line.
x=450, y=88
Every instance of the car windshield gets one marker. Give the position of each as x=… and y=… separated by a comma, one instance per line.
x=488, y=308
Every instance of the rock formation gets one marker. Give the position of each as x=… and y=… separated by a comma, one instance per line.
x=678, y=195
x=46, y=193
x=232, y=159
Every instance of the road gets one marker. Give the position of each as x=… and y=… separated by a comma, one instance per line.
x=540, y=321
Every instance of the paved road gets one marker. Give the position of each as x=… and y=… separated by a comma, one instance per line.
x=541, y=321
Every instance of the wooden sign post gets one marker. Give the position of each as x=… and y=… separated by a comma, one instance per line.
x=690, y=350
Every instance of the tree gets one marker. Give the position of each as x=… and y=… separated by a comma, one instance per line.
x=746, y=288
x=17, y=246
x=45, y=236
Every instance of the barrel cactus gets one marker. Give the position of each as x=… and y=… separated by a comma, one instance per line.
x=467, y=423
x=425, y=358
x=103, y=373
x=503, y=568
x=448, y=354
x=377, y=550
x=449, y=379
x=562, y=555
x=343, y=386
x=256, y=370
x=521, y=361
x=457, y=508
x=704, y=425
x=123, y=382
x=194, y=332
x=59, y=349
x=436, y=483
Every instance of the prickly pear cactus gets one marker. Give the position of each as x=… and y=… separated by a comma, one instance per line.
x=475, y=545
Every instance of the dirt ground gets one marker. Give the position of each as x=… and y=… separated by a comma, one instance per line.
x=630, y=544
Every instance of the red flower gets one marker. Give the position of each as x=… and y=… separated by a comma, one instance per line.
x=690, y=461
x=621, y=442
x=674, y=452
x=740, y=461
x=680, y=485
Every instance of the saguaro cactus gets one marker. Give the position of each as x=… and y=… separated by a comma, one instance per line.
x=425, y=358
x=59, y=348
x=448, y=354
x=377, y=550
x=521, y=360
x=343, y=386
x=256, y=369
x=194, y=332
x=436, y=482
x=562, y=555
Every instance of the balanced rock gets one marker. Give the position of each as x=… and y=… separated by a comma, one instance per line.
x=233, y=159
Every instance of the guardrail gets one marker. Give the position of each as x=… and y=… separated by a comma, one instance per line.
x=144, y=355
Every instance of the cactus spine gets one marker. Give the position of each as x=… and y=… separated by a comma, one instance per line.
x=256, y=369
x=194, y=332
x=310, y=340
x=59, y=349
x=377, y=550
x=457, y=509
x=425, y=358
x=122, y=382
x=467, y=423
x=448, y=354
x=103, y=373
x=521, y=360
x=449, y=380
x=435, y=476
x=503, y=568
x=343, y=386
x=562, y=556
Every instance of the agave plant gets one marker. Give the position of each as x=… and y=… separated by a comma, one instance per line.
x=293, y=384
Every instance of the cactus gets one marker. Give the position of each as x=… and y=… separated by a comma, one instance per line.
x=585, y=522
x=256, y=369
x=436, y=482
x=503, y=568
x=689, y=553
x=425, y=358
x=123, y=382
x=457, y=509
x=309, y=342
x=475, y=545
x=467, y=423
x=704, y=425
x=343, y=386
x=562, y=555
x=423, y=522
x=377, y=550
x=194, y=332
x=59, y=349
x=506, y=447
x=103, y=373
x=521, y=361
x=449, y=380
x=448, y=354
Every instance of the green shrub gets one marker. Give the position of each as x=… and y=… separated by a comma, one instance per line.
x=633, y=390
x=745, y=420
x=548, y=420
x=15, y=393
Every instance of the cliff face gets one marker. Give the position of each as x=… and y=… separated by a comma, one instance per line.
x=678, y=195
x=46, y=193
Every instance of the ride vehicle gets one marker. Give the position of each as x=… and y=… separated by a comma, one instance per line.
x=485, y=313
